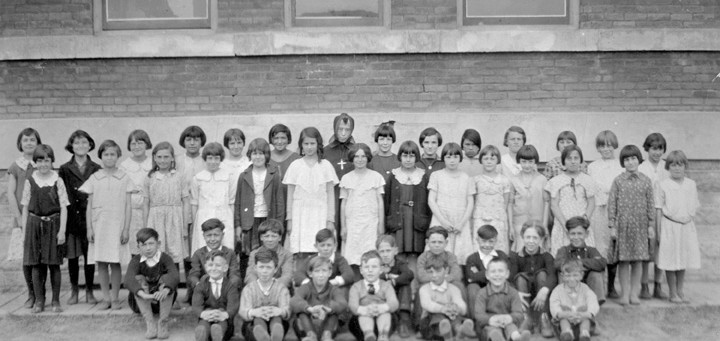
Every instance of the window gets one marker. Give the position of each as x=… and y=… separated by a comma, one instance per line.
x=516, y=12
x=155, y=14
x=323, y=13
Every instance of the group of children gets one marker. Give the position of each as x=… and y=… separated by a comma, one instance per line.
x=463, y=244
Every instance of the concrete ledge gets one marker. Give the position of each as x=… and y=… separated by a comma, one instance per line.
x=336, y=41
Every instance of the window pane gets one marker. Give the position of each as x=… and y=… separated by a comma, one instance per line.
x=337, y=12
x=156, y=14
x=516, y=12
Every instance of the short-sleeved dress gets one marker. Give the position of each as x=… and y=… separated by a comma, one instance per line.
x=572, y=194
x=76, y=243
x=165, y=193
x=528, y=204
x=19, y=170
x=453, y=190
x=309, y=202
x=214, y=196
x=490, y=207
x=679, y=248
x=603, y=172
x=137, y=171
x=44, y=198
x=631, y=210
x=108, y=200
x=361, y=212
x=384, y=164
x=554, y=168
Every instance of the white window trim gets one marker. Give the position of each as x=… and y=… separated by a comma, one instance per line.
x=574, y=12
x=386, y=20
x=98, y=23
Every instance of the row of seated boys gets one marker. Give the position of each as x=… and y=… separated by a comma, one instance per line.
x=324, y=288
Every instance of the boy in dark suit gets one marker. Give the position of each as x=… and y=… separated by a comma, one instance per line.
x=216, y=299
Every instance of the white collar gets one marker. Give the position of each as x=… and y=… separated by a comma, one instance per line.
x=490, y=255
x=211, y=250
x=152, y=260
x=217, y=281
x=161, y=176
x=23, y=163
x=440, y=288
x=45, y=182
x=376, y=284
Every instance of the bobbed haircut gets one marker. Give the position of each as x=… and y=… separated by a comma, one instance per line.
x=527, y=152
x=259, y=145
x=385, y=129
x=410, y=148
x=487, y=232
x=386, y=238
x=534, y=224
x=358, y=146
x=430, y=131
x=213, y=149
x=265, y=255
x=630, y=151
x=436, y=230
x=565, y=135
x=676, y=157
x=514, y=129
x=451, y=149
x=568, y=150
x=367, y=256
x=78, y=134
x=473, y=136
x=577, y=221
x=145, y=233
x=27, y=132
x=216, y=254
x=271, y=225
x=43, y=151
x=654, y=140
x=139, y=135
x=279, y=128
x=606, y=138
x=109, y=144
x=195, y=132
x=572, y=265
x=437, y=262
x=323, y=235
x=317, y=262
x=490, y=150
x=233, y=134
x=343, y=118
x=211, y=224
x=313, y=133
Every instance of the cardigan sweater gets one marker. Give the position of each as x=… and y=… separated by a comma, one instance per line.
x=392, y=203
x=163, y=275
x=252, y=297
x=245, y=197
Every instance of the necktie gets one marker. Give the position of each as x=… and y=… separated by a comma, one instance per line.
x=216, y=289
x=371, y=289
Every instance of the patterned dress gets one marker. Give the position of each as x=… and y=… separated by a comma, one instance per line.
x=572, y=194
x=137, y=171
x=603, y=172
x=165, y=193
x=679, y=248
x=490, y=207
x=631, y=210
x=453, y=191
x=362, y=212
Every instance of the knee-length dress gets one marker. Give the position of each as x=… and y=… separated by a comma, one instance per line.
x=603, y=172
x=362, y=212
x=528, y=204
x=631, y=210
x=20, y=169
x=490, y=207
x=44, y=199
x=309, y=203
x=214, y=197
x=76, y=243
x=165, y=193
x=679, y=248
x=108, y=200
x=407, y=214
x=453, y=192
x=138, y=172
x=572, y=194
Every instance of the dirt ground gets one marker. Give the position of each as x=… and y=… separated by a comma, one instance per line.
x=635, y=323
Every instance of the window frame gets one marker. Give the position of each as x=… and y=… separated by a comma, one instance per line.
x=571, y=20
x=101, y=23
x=382, y=22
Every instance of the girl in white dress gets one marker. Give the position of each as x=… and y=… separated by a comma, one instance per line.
x=676, y=200
x=528, y=201
x=450, y=199
x=212, y=196
x=311, y=184
x=361, y=210
x=492, y=198
x=235, y=161
x=137, y=167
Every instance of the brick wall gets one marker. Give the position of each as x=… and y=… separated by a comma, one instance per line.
x=660, y=81
x=250, y=15
x=424, y=14
x=40, y=18
x=650, y=14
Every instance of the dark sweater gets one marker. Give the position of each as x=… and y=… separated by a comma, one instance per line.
x=400, y=268
x=203, y=298
x=340, y=267
x=163, y=275
x=531, y=264
x=475, y=269
x=590, y=257
x=307, y=296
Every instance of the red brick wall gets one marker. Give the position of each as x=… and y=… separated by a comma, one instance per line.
x=649, y=13
x=250, y=15
x=48, y=17
x=424, y=14
x=661, y=81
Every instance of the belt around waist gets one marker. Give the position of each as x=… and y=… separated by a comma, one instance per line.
x=409, y=203
x=45, y=217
